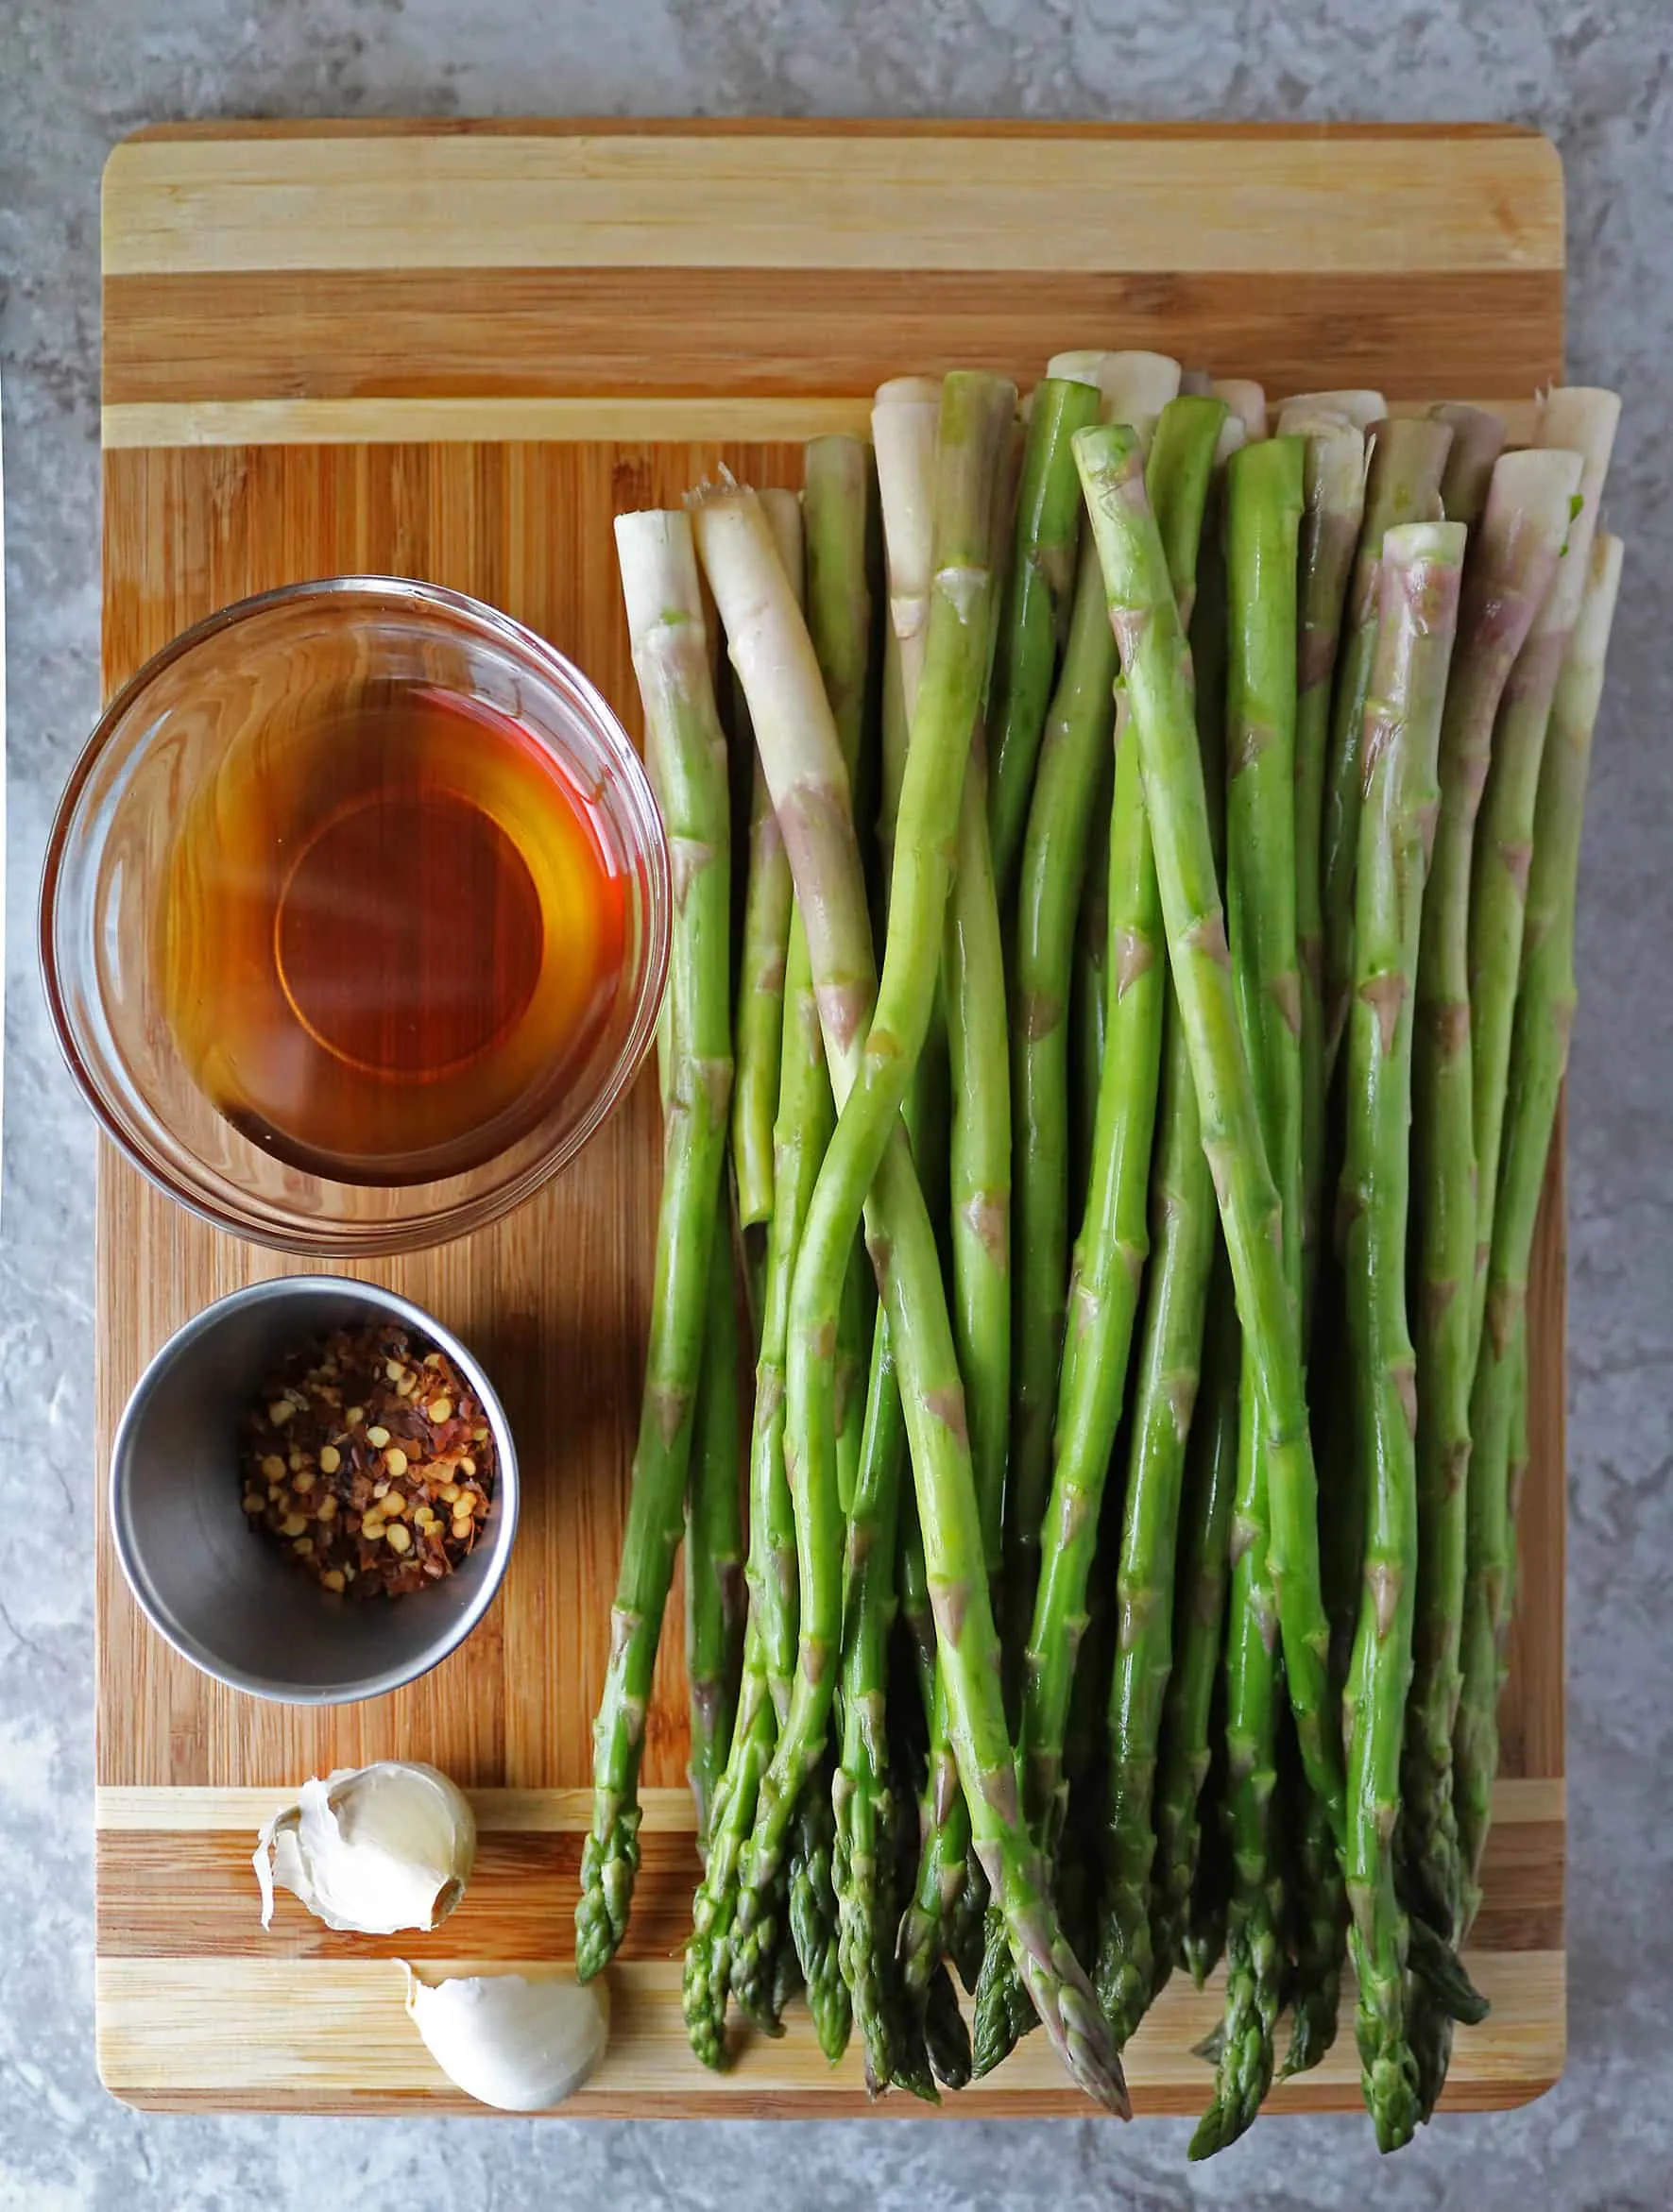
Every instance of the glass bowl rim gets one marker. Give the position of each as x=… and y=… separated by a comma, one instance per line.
x=468, y=1214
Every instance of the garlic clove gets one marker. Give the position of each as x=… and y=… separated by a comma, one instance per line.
x=372, y=1850
x=510, y=2042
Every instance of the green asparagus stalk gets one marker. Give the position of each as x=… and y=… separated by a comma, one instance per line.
x=761, y=1008
x=1199, y=1622
x=815, y=1914
x=841, y=523
x=1545, y=1014
x=862, y=1794
x=1579, y=420
x=1033, y=616
x=1512, y=562
x=1264, y=498
x=1335, y=489
x=687, y=753
x=838, y=499
x=1190, y=1789
x=766, y=932
x=1478, y=440
x=1154, y=665
x=1403, y=485
x=805, y=1119
x=943, y=1906
x=1110, y=1251
x=706, y=1976
x=1089, y=1007
x=1077, y=741
x=1422, y=564
x=1109, y=1257
x=714, y=1538
x=976, y=415
x=979, y=1156
x=805, y=768
x=1334, y=499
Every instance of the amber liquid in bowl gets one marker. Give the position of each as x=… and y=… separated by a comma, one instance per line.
x=390, y=934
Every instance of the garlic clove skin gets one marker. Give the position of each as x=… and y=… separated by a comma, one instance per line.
x=518, y=2045
x=372, y=1850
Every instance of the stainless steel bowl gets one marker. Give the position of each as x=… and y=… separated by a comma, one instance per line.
x=220, y=1594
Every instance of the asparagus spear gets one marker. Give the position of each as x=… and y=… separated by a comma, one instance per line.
x=687, y=755
x=1034, y=617
x=705, y=1979
x=805, y=1119
x=841, y=524
x=1418, y=611
x=1199, y=1621
x=1334, y=499
x=1110, y=1253
x=1545, y=1013
x=1508, y=571
x=862, y=1796
x=1192, y=1775
x=1089, y=991
x=1105, y=1303
x=1264, y=499
x=1154, y=662
x=766, y=933
x=714, y=1538
x=1334, y=491
x=812, y=1908
x=1580, y=420
x=1478, y=440
x=976, y=1128
x=804, y=769
x=1403, y=485
x=1053, y=873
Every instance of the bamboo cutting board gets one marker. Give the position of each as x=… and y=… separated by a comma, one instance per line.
x=453, y=352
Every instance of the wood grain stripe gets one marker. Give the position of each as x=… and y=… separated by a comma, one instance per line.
x=1518, y=1802
x=282, y=2034
x=712, y=334
x=491, y=422
x=1376, y=204
x=521, y=1898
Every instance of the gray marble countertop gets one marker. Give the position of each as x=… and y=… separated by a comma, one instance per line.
x=1598, y=77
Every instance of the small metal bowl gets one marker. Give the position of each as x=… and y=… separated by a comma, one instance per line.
x=221, y=1594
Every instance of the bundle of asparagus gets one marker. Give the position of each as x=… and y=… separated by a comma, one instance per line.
x=1220, y=899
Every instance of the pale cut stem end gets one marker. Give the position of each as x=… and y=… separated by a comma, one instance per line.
x=783, y=511
x=658, y=563
x=1362, y=408
x=1478, y=440
x=1082, y=364
x=1247, y=400
x=1135, y=388
x=905, y=427
x=767, y=638
x=1583, y=419
x=1528, y=504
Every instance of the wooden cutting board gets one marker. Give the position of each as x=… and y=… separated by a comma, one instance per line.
x=453, y=352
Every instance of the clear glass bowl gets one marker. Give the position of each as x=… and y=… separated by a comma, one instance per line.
x=160, y=743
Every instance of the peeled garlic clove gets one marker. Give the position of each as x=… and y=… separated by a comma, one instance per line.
x=510, y=2042
x=372, y=1849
